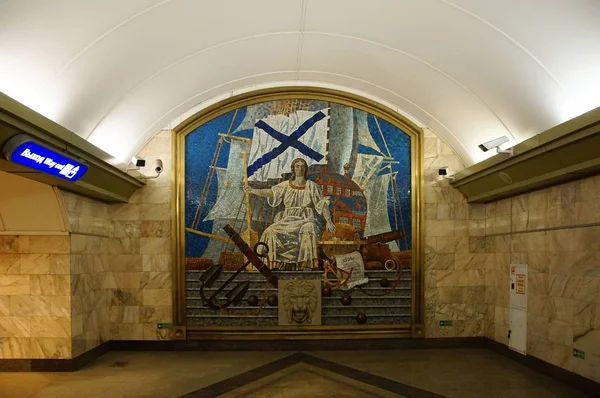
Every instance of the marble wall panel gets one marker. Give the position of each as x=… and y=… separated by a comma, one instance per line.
x=10, y=264
x=455, y=257
x=15, y=348
x=11, y=244
x=160, y=262
x=13, y=285
x=125, y=229
x=34, y=295
x=123, y=250
x=142, y=293
x=64, y=295
x=559, y=245
x=91, y=279
x=50, y=347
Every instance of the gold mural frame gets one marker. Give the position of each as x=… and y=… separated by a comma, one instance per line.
x=181, y=331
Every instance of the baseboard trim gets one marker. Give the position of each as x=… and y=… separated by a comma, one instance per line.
x=73, y=364
x=570, y=378
x=295, y=345
x=69, y=365
x=54, y=365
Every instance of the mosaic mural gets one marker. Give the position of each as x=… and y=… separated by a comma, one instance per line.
x=311, y=180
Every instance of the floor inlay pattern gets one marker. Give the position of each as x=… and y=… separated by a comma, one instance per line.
x=301, y=375
x=447, y=372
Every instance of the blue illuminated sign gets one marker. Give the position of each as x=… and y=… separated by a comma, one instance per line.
x=38, y=157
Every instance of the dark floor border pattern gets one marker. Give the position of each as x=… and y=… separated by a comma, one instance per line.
x=68, y=365
x=570, y=378
x=241, y=380
x=54, y=365
x=296, y=345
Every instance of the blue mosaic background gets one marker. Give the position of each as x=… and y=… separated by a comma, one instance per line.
x=200, y=146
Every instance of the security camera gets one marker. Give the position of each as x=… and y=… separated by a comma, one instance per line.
x=495, y=143
x=135, y=164
x=138, y=162
x=158, y=166
x=443, y=174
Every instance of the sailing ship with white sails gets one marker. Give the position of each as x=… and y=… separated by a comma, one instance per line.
x=349, y=143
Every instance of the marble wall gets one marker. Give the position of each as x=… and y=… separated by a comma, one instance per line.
x=35, y=304
x=140, y=253
x=454, y=265
x=121, y=260
x=120, y=257
x=90, y=276
x=555, y=231
x=111, y=277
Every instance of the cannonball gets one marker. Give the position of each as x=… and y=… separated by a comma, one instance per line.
x=361, y=318
x=272, y=300
x=252, y=300
x=385, y=282
x=326, y=291
x=346, y=299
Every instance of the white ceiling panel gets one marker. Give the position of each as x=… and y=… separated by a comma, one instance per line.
x=150, y=103
x=503, y=76
x=562, y=36
x=39, y=38
x=114, y=71
x=410, y=109
x=146, y=45
x=206, y=98
x=433, y=92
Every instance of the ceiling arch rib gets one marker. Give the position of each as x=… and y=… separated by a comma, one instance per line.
x=105, y=34
x=506, y=35
x=90, y=59
x=148, y=43
x=37, y=40
x=563, y=37
x=518, y=127
x=419, y=83
x=188, y=112
x=185, y=79
x=204, y=99
x=177, y=62
x=501, y=74
x=213, y=94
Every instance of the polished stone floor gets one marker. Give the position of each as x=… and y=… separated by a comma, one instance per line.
x=457, y=373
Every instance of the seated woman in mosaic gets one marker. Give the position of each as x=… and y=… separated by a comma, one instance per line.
x=292, y=238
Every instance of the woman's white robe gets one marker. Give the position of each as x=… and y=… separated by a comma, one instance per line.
x=293, y=236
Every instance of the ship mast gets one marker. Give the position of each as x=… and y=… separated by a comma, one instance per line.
x=249, y=235
x=394, y=186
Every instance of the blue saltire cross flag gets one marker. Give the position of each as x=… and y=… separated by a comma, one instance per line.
x=286, y=141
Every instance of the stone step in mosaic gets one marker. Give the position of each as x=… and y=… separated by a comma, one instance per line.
x=325, y=311
x=371, y=320
x=369, y=301
x=375, y=291
x=350, y=320
x=232, y=321
x=260, y=285
x=370, y=311
x=327, y=302
x=192, y=275
x=380, y=304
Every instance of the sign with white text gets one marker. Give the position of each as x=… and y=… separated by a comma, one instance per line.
x=24, y=151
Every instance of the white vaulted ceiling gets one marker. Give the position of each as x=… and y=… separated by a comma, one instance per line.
x=116, y=71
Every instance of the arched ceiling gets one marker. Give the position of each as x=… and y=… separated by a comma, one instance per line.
x=116, y=71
